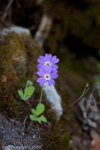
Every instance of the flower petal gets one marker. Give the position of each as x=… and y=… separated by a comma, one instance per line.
x=40, y=73
x=54, y=67
x=41, y=60
x=54, y=60
x=41, y=57
x=47, y=70
x=39, y=66
x=54, y=75
x=50, y=82
x=41, y=80
x=48, y=57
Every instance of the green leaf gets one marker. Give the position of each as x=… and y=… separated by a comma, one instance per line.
x=41, y=118
x=98, y=66
x=25, y=98
x=33, y=118
x=20, y=93
x=38, y=120
x=33, y=111
x=99, y=52
x=40, y=108
x=29, y=90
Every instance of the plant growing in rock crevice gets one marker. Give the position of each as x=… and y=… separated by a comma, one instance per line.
x=40, y=108
x=47, y=70
x=28, y=91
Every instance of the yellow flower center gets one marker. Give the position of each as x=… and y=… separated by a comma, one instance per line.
x=47, y=76
x=47, y=63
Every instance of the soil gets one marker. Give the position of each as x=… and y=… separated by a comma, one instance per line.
x=13, y=135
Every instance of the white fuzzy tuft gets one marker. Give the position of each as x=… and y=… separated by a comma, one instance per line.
x=54, y=98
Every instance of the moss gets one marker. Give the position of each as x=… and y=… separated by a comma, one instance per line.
x=53, y=136
x=18, y=57
x=69, y=84
x=67, y=140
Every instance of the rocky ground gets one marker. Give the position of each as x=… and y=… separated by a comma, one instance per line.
x=18, y=60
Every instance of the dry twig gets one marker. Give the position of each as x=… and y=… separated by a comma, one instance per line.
x=6, y=10
x=84, y=92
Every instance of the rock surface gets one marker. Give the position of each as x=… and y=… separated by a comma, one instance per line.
x=14, y=136
x=18, y=57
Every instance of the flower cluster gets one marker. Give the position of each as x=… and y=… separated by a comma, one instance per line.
x=47, y=69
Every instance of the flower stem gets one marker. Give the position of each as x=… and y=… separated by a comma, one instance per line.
x=41, y=94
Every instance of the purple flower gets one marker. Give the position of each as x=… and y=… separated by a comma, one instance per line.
x=49, y=61
x=47, y=75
